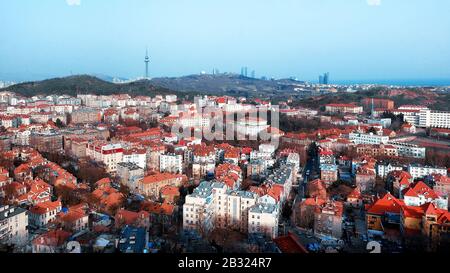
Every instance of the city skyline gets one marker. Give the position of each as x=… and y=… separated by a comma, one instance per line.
x=299, y=39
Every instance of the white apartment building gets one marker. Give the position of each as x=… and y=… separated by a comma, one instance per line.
x=265, y=153
x=136, y=156
x=263, y=218
x=43, y=213
x=199, y=207
x=410, y=114
x=251, y=126
x=421, y=194
x=383, y=169
x=170, y=163
x=108, y=154
x=343, y=108
x=419, y=171
x=358, y=138
x=409, y=150
x=171, y=98
x=195, y=121
x=13, y=225
x=435, y=119
x=294, y=160
x=212, y=204
x=22, y=137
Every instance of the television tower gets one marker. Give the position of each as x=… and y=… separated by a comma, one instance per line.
x=147, y=61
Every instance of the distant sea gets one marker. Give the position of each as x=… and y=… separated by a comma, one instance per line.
x=413, y=82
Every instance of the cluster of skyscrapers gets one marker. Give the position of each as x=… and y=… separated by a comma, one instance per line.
x=325, y=78
x=244, y=72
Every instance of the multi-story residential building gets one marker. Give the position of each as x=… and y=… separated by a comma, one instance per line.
x=171, y=163
x=86, y=116
x=251, y=127
x=343, y=108
x=111, y=116
x=384, y=122
x=213, y=205
x=108, y=154
x=136, y=156
x=5, y=142
x=129, y=174
x=53, y=241
x=263, y=219
x=384, y=168
x=75, y=219
x=13, y=225
x=397, y=181
x=204, y=161
x=420, y=193
x=328, y=219
x=409, y=150
x=199, y=207
x=420, y=171
x=376, y=150
x=154, y=152
x=151, y=185
x=385, y=104
x=67, y=100
x=328, y=173
x=21, y=137
x=78, y=147
x=266, y=153
x=383, y=213
x=365, y=178
x=9, y=121
x=282, y=177
x=358, y=138
x=232, y=209
x=256, y=167
x=294, y=159
x=435, y=119
x=46, y=141
x=44, y=117
x=194, y=120
x=129, y=114
x=43, y=213
x=431, y=222
x=171, y=98
x=441, y=184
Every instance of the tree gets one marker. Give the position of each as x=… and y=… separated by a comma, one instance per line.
x=9, y=191
x=396, y=120
x=90, y=173
x=437, y=158
x=67, y=195
x=59, y=123
x=372, y=130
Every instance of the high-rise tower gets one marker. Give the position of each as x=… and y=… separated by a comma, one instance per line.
x=147, y=61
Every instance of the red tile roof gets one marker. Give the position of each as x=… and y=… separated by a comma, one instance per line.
x=386, y=204
x=52, y=238
x=420, y=188
x=290, y=244
x=45, y=207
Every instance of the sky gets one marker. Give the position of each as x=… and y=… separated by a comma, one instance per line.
x=354, y=40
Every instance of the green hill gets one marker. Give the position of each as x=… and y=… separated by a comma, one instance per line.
x=84, y=84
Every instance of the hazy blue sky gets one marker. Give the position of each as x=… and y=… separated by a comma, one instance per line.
x=352, y=39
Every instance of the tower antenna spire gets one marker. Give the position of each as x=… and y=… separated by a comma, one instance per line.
x=147, y=61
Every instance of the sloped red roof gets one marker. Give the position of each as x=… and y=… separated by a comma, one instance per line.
x=388, y=204
x=290, y=244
